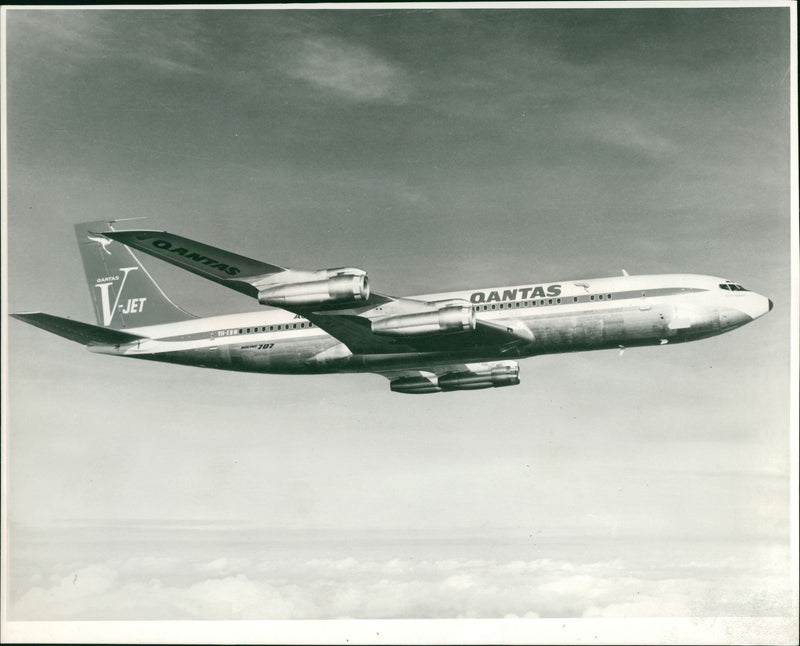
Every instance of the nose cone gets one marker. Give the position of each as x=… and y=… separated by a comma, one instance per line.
x=766, y=306
x=759, y=306
x=752, y=305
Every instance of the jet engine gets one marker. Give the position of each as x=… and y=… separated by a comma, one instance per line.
x=496, y=377
x=491, y=375
x=344, y=285
x=414, y=386
x=451, y=318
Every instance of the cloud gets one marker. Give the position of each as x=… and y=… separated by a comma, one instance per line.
x=242, y=588
x=88, y=39
x=628, y=134
x=350, y=71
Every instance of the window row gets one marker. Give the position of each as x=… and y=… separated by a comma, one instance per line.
x=538, y=303
x=265, y=328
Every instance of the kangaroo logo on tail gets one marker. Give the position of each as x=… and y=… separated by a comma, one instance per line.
x=133, y=305
x=101, y=240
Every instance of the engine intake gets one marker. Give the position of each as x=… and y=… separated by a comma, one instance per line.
x=324, y=287
x=457, y=318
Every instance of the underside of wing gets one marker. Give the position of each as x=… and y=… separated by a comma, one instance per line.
x=357, y=333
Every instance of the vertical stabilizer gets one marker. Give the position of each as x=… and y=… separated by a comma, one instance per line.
x=124, y=294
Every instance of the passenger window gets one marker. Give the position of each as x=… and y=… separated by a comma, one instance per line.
x=294, y=326
x=493, y=306
x=608, y=296
x=558, y=300
x=574, y=299
x=591, y=298
x=550, y=301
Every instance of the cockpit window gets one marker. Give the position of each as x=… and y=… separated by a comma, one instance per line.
x=734, y=287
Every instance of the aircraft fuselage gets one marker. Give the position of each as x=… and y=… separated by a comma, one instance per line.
x=565, y=316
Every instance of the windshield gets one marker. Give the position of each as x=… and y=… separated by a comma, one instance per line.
x=732, y=287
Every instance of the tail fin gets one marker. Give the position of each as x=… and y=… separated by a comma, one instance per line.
x=123, y=292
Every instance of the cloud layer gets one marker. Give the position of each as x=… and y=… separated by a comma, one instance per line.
x=145, y=588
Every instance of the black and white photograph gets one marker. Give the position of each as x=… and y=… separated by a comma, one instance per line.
x=400, y=323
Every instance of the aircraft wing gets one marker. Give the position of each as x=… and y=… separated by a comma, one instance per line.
x=232, y=270
x=356, y=333
x=365, y=324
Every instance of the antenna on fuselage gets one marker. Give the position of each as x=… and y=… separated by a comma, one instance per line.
x=625, y=273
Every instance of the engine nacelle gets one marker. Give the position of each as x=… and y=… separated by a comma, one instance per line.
x=318, y=288
x=414, y=386
x=494, y=375
x=455, y=318
x=497, y=377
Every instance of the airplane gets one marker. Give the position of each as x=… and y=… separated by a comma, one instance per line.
x=329, y=320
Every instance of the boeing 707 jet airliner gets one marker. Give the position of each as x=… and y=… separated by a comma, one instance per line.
x=329, y=321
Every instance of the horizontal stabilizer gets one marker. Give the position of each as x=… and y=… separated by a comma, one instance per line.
x=84, y=333
x=204, y=260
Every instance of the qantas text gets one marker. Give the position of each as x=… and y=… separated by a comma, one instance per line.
x=520, y=293
x=193, y=255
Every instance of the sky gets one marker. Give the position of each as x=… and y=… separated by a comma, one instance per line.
x=439, y=150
